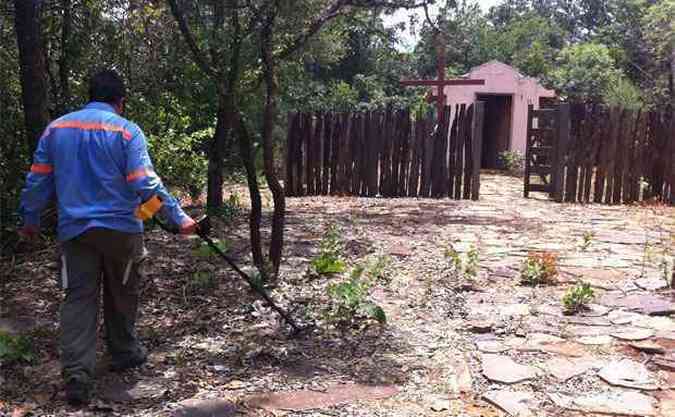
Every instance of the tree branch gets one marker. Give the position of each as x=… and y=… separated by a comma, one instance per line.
x=190, y=40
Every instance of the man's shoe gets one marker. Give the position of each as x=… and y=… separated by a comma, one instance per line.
x=77, y=393
x=131, y=363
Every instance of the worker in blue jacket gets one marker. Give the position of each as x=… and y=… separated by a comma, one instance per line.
x=95, y=164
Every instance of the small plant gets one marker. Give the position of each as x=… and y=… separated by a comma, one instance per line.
x=15, y=349
x=463, y=268
x=539, y=268
x=588, y=239
x=330, y=259
x=577, y=298
x=377, y=269
x=349, y=301
x=512, y=161
x=202, y=282
x=205, y=251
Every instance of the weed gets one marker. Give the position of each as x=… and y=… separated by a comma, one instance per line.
x=588, y=239
x=330, y=259
x=463, y=268
x=202, y=282
x=205, y=251
x=512, y=161
x=15, y=348
x=349, y=301
x=539, y=268
x=378, y=269
x=229, y=210
x=577, y=298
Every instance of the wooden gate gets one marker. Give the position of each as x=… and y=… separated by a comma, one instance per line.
x=548, y=133
x=386, y=153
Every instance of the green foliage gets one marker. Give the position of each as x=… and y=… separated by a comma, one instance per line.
x=202, y=282
x=330, y=259
x=587, y=240
x=623, y=93
x=205, y=251
x=15, y=349
x=349, y=300
x=512, y=161
x=539, y=269
x=179, y=160
x=585, y=71
x=230, y=209
x=577, y=298
x=463, y=268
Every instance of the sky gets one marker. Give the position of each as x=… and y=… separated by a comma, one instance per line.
x=408, y=39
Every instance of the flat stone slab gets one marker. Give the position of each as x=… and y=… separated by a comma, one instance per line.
x=651, y=284
x=626, y=403
x=514, y=310
x=121, y=392
x=595, y=340
x=648, y=346
x=515, y=403
x=460, y=380
x=651, y=304
x=629, y=374
x=491, y=346
x=633, y=334
x=334, y=395
x=205, y=408
x=500, y=368
x=563, y=369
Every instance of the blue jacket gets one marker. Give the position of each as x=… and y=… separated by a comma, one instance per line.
x=96, y=164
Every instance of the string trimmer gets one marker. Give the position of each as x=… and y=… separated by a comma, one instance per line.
x=203, y=229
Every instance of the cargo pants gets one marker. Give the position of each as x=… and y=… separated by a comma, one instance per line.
x=112, y=260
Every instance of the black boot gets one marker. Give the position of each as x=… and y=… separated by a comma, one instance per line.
x=128, y=363
x=78, y=393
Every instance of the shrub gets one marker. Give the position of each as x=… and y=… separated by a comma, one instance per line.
x=512, y=161
x=539, y=268
x=588, y=239
x=205, y=251
x=467, y=268
x=577, y=298
x=350, y=303
x=330, y=259
x=15, y=349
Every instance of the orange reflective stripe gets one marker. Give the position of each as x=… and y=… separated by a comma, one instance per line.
x=137, y=174
x=43, y=169
x=76, y=124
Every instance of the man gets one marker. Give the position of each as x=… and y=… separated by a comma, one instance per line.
x=96, y=165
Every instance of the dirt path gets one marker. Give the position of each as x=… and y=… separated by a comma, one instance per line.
x=451, y=347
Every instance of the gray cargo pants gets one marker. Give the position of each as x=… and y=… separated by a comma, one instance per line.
x=113, y=259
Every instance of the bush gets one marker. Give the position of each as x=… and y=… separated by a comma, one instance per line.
x=512, y=161
x=15, y=349
x=539, y=268
x=179, y=161
x=205, y=251
x=577, y=298
x=467, y=268
x=330, y=259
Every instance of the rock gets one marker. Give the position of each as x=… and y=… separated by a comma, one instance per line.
x=595, y=340
x=621, y=318
x=334, y=395
x=564, y=369
x=206, y=408
x=626, y=403
x=581, y=331
x=665, y=362
x=500, y=368
x=491, y=346
x=629, y=374
x=648, y=347
x=652, y=304
x=400, y=250
x=632, y=334
x=651, y=284
x=480, y=326
x=594, y=310
x=460, y=380
x=515, y=403
x=119, y=391
x=565, y=349
x=588, y=321
x=235, y=384
x=514, y=310
x=438, y=404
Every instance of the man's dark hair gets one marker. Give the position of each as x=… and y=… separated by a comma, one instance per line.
x=107, y=87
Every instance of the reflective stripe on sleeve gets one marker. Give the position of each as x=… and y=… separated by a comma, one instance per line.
x=44, y=169
x=138, y=174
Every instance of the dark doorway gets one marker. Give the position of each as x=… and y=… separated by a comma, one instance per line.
x=496, y=127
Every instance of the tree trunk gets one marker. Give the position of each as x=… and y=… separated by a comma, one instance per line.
x=33, y=68
x=255, y=217
x=214, y=197
x=278, y=195
x=65, y=58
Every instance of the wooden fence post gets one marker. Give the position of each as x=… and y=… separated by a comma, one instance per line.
x=562, y=139
x=477, y=145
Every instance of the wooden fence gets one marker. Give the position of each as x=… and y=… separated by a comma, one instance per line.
x=386, y=153
x=617, y=156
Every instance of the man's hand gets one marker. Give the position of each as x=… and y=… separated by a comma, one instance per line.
x=189, y=227
x=29, y=233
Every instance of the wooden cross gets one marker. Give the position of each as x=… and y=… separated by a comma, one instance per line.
x=441, y=82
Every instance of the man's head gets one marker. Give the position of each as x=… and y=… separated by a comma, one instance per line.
x=108, y=87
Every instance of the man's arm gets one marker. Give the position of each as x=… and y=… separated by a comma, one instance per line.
x=146, y=183
x=39, y=187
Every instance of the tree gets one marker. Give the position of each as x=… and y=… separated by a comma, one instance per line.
x=584, y=71
x=659, y=23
